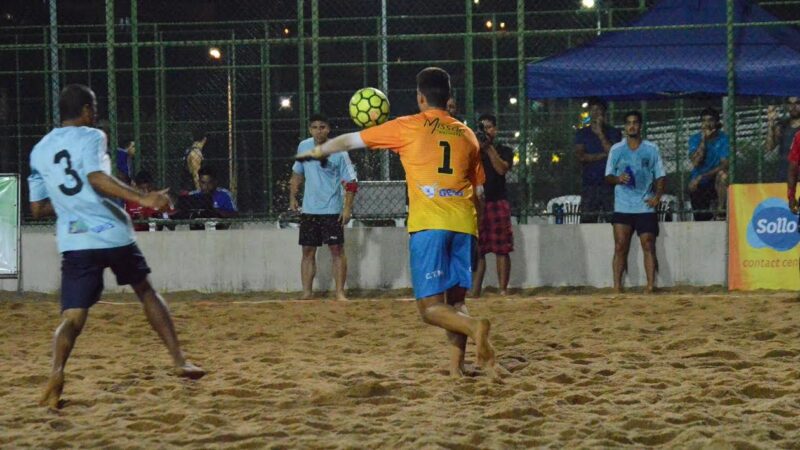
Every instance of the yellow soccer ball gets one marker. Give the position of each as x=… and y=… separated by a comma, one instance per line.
x=369, y=107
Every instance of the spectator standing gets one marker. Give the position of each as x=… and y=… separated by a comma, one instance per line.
x=125, y=160
x=781, y=132
x=325, y=210
x=793, y=169
x=592, y=146
x=193, y=157
x=495, y=234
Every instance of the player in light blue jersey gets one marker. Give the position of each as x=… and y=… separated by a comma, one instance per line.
x=635, y=169
x=71, y=178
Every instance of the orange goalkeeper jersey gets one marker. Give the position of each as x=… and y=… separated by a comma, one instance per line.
x=442, y=164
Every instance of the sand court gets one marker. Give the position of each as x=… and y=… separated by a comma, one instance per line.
x=674, y=370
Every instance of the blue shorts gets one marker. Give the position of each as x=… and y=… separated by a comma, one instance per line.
x=82, y=273
x=440, y=260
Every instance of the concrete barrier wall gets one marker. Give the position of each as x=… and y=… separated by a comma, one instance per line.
x=258, y=258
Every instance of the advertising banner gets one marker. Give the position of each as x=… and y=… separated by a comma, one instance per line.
x=9, y=225
x=763, y=238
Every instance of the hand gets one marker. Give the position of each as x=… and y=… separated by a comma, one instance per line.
x=772, y=114
x=597, y=126
x=623, y=179
x=344, y=217
x=695, y=183
x=157, y=200
x=707, y=132
x=653, y=201
x=293, y=204
x=313, y=154
x=793, y=205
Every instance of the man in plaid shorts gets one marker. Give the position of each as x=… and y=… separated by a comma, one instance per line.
x=495, y=235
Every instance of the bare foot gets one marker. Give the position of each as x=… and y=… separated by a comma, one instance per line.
x=457, y=372
x=504, y=293
x=649, y=289
x=307, y=296
x=484, y=349
x=189, y=370
x=341, y=297
x=52, y=393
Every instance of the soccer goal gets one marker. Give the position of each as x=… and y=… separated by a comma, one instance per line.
x=9, y=225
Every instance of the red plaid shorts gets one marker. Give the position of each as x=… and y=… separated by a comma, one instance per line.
x=495, y=234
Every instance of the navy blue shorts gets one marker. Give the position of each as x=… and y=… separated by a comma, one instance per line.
x=641, y=222
x=82, y=273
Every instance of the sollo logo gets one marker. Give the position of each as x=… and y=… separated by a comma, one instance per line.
x=773, y=225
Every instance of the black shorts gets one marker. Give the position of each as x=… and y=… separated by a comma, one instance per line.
x=641, y=223
x=320, y=229
x=82, y=273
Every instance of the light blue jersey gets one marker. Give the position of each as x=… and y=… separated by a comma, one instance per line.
x=323, y=192
x=60, y=166
x=646, y=166
x=717, y=149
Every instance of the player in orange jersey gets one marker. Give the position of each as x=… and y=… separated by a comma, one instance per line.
x=444, y=177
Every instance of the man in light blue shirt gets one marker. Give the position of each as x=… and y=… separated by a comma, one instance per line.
x=635, y=169
x=71, y=178
x=330, y=186
x=708, y=152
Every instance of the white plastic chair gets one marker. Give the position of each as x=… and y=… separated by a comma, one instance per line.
x=668, y=205
x=572, y=208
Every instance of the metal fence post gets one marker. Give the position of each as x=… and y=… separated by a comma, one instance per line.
x=54, y=72
x=137, y=125
x=469, y=92
x=523, y=112
x=495, y=95
x=301, y=67
x=730, y=106
x=266, y=119
x=111, y=75
x=315, y=54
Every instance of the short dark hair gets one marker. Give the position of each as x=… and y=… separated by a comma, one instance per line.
x=597, y=101
x=318, y=117
x=434, y=84
x=143, y=177
x=206, y=170
x=72, y=100
x=488, y=116
x=710, y=112
x=634, y=113
x=198, y=134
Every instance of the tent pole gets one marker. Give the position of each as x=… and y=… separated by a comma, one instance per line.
x=730, y=108
x=523, y=111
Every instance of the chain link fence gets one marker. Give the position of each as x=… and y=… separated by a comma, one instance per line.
x=248, y=74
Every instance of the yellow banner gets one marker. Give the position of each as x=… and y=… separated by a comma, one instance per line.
x=763, y=238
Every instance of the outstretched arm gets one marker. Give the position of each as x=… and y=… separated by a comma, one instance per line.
x=343, y=143
x=112, y=187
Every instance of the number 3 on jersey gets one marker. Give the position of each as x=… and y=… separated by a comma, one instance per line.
x=69, y=171
x=446, y=169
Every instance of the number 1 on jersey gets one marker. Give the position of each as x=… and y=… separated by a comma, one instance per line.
x=445, y=159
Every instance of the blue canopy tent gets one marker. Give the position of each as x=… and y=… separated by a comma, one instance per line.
x=652, y=63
